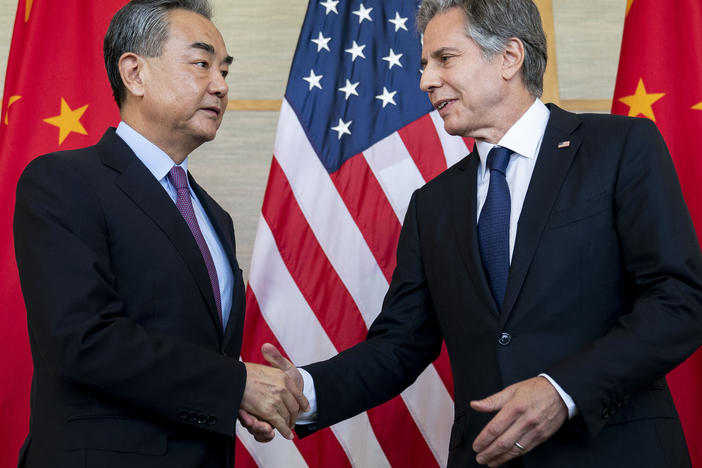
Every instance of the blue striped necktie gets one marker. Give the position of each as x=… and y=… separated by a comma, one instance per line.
x=493, y=225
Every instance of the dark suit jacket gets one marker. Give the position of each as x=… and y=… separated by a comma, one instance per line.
x=131, y=367
x=604, y=295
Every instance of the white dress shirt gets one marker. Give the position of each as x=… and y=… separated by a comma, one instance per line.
x=159, y=164
x=524, y=139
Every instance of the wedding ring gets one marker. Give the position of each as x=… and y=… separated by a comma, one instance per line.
x=519, y=446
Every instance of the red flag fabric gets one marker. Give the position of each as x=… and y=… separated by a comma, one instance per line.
x=56, y=97
x=659, y=78
x=355, y=138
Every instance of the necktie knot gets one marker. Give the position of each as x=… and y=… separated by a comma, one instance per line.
x=498, y=158
x=178, y=178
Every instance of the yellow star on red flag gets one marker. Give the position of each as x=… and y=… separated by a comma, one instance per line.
x=28, y=10
x=640, y=102
x=68, y=121
x=628, y=5
x=697, y=106
x=10, y=101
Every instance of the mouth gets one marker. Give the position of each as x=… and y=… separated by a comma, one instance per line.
x=443, y=104
x=215, y=111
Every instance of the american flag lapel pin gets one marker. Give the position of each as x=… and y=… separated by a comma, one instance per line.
x=564, y=144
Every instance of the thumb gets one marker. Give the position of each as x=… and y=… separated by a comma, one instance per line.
x=492, y=403
x=274, y=357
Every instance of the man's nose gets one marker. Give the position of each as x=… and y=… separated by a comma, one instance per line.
x=430, y=79
x=218, y=85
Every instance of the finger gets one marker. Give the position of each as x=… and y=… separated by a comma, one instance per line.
x=264, y=437
x=275, y=358
x=495, y=428
x=246, y=419
x=261, y=431
x=251, y=422
x=503, y=448
x=494, y=402
x=297, y=390
x=279, y=422
x=292, y=408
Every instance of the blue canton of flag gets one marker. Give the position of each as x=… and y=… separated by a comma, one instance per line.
x=355, y=77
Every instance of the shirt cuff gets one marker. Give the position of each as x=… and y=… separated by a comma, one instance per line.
x=570, y=404
x=308, y=417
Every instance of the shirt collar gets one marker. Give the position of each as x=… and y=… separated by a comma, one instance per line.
x=153, y=157
x=524, y=137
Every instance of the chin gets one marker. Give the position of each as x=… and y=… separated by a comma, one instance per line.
x=453, y=130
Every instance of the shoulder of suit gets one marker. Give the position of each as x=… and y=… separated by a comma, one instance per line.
x=442, y=180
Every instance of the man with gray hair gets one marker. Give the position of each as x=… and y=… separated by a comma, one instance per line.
x=135, y=300
x=558, y=262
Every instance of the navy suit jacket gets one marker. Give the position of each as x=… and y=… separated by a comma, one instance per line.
x=131, y=365
x=604, y=294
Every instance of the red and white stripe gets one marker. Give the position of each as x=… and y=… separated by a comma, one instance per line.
x=322, y=262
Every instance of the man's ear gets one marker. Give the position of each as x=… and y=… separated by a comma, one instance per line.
x=512, y=58
x=132, y=69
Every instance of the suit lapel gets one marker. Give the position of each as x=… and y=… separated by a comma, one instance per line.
x=145, y=191
x=464, y=194
x=550, y=172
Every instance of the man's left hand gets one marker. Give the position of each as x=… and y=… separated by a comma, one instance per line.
x=528, y=413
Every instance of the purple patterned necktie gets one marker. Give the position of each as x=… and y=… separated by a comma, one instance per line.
x=180, y=181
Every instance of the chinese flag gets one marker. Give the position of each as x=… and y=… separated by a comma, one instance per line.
x=660, y=78
x=56, y=97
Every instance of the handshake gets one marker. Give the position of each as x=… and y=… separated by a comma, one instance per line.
x=273, y=396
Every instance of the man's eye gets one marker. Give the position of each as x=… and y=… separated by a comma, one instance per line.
x=202, y=64
x=225, y=73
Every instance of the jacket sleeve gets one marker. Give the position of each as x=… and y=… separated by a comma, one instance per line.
x=402, y=341
x=662, y=259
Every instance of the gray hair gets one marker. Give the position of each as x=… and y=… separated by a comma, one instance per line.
x=141, y=27
x=491, y=23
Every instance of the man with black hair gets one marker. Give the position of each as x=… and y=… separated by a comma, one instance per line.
x=135, y=300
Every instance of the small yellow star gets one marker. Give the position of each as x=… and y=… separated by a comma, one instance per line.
x=697, y=106
x=641, y=101
x=628, y=5
x=68, y=121
x=28, y=10
x=10, y=101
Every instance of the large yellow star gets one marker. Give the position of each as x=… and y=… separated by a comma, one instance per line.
x=641, y=101
x=697, y=106
x=628, y=5
x=68, y=121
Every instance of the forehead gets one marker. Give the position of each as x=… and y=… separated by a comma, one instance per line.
x=188, y=27
x=446, y=29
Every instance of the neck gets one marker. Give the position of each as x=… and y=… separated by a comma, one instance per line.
x=175, y=149
x=511, y=110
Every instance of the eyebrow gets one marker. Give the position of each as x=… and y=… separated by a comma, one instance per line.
x=211, y=50
x=438, y=52
x=442, y=50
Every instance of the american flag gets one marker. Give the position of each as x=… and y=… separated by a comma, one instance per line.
x=356, y=136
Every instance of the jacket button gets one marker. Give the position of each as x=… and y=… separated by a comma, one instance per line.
x=211, y=421
x=201, y=419
x=605, y=413
x=183, y=414
x=192, y=416
x=505, y=339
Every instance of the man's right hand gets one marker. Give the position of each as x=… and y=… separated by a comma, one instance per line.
x=274, y=394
